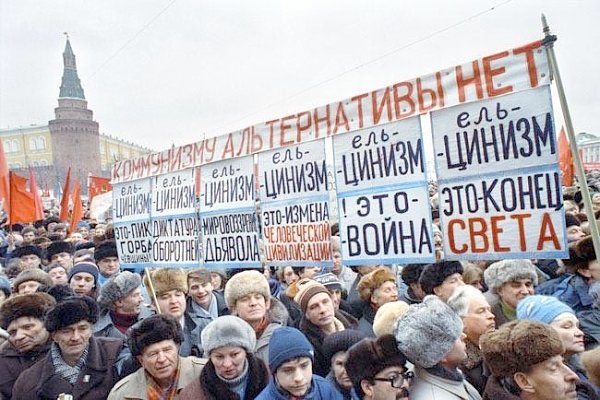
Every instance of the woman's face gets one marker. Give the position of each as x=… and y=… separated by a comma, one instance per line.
x=229, y=361
x=289, y=276
x=567, y=326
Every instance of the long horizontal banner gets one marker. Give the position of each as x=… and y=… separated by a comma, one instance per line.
x=506, y=72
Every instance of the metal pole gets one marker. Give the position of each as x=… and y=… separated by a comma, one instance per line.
x=548, y=42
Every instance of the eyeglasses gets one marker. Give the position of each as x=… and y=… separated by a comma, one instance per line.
x=397, y=380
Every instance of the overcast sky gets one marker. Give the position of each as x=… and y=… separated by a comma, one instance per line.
x=163, y=72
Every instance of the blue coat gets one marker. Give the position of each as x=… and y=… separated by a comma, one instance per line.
x=320, y=389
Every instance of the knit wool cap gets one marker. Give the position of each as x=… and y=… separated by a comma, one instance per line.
x=26, y=250
x=518, y=345
x=228, y=330
x=434, y=275
x=286, y=344
x=70, y=311
x=307, y=288
x=386, y=317
x=340, y=341
x=153, y=329
x=166, y=279
x=541, y=308
x=105, y=249
x=243, y=283
x=373, y=281
x=33, y=274
x=118, y=287
x=428, y=331
x=35, y=305
x=329, y=280
x=87, y=267
x=505, y=271
x=60, y=246
x=369, y=356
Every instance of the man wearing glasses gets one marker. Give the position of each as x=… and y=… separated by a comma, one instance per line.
x=378, y=369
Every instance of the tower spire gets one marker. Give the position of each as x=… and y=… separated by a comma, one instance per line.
x=71, y=85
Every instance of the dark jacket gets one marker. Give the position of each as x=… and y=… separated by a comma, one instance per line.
x=346, y=394
x=316, y=336
x=105, y=326
x=572, y=290
x=494, y=391
x=473, y=367
x=365, y=323
x=320, y=390
x=292, y=308
x=589, y=321
x=13, y=362
x=210, y=387
x=95, y=381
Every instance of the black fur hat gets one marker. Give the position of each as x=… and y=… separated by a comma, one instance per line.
x=585, y=249
x=60, y=246
x=105, y=249
x=27, y=250
x=70, y=311
x=34, y=305
x=153, y=329
x=433, y=275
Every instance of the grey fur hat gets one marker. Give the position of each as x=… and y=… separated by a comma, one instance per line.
x=244, y=283
x=118, y=287
x=228, y=330
x=504, y=271
x=427, y=331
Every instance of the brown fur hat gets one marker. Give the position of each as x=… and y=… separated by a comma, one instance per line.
x=165, y=279
x=518, y=345
x=372, y=281
x=35, y=305
x=585, y=249
x=33, y=274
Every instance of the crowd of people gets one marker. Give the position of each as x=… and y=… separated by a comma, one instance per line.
x=75, y=324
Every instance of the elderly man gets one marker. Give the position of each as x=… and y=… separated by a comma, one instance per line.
x=430, y=335
x=509, y=282
x=61, y=252
x=28, y=341
x=155, y=342
x=78, y=364
x=441, y=278
x=30, y=256
x=525, y=358
x=121, y=301
x=474, y=310
x=375, y=289
x=32, y=280
x=378, y=369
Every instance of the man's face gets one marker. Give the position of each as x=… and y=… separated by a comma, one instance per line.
x=229, y=361
x=289, y=276
x=457, y=353
x=65, y=259
x=58, y=276
x=160, y=360
x=62, y=232
x=445, y=290
x=319, y=310
x=108, y=266
x=201, y=292
x=295, y=376
x=28, y=287
x=384, y=294
x=73, y=339
x=574, y=233
x=28, y=237
x=216, y=280
x=479, y=318
x=82, y=283
x=549, y=380
x=383, y=390
x=336, y=297
x=85, y=232
x=338, y=367
x=309, y=272
x=172, y=303
x=130, y=304
x=514, y=291
x=337, y=262
x=251, y=308
x=27, y=333
x=30, y=261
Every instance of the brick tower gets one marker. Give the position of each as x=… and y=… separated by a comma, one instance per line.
x=75, y=135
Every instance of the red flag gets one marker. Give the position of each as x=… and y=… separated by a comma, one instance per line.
x=33, y=189
x=4, y=185
x=98, y=185
x=22, y=204
x=565, y=158
x=77, y=213
x=64, y=201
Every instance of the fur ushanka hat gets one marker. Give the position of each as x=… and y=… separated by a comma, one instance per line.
x=505, y=271
x=60, y=246
x=33, y=274
x=434, y=275
x=518, y=345
x=243, y=283
x=372, y=281
x=35, y=305
x=165, y=279
x=105, y=249
x=153, y=329
x=70, y=311
x=118, y=287
x=26, y=250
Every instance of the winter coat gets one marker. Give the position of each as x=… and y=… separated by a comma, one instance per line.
x=96, y=379
x=105, y=327
x=589, y=321
x=474, y=368
x=13, y=362
x=427, y=386
x=194, y=324
x=279, y=316
x=346, y=394
x=365, y=323
x=585, y=390
x=494, y=391
x=316, y=336
x=292, y=308
x=572, y=290
x=320, y=389
x=134, y=386
x=208, y=386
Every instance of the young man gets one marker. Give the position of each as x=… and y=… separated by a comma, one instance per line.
x=290, y=362
x=378, y=370
x=107, y=260
x=203, y=302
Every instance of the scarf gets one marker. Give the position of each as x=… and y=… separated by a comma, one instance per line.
x=509, y=312
x=157, y=392
x=237, y=385
x=69, y=373
x=261, y=326
x=212, y=311
x=123, y=321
